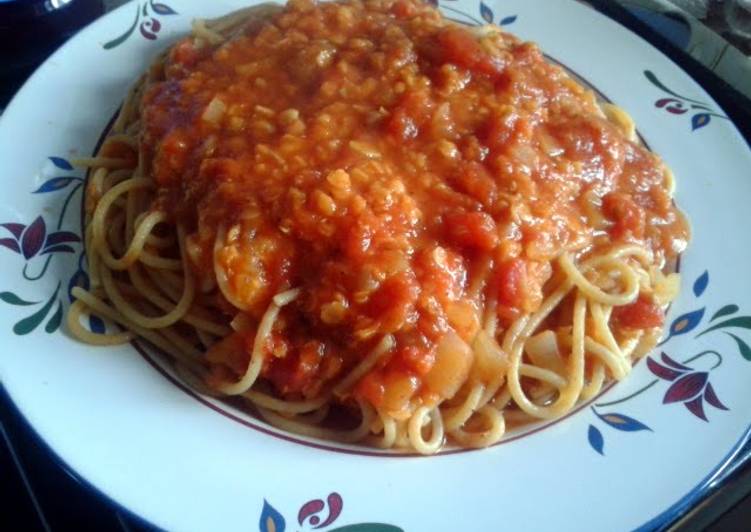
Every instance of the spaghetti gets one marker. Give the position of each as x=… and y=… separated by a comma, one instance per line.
x=374, y=225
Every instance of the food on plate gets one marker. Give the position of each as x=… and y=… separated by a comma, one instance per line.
x=377, y=225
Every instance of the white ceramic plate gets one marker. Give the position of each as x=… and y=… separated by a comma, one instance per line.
x=638, y=456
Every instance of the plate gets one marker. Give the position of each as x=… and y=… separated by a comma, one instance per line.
x=637, y=456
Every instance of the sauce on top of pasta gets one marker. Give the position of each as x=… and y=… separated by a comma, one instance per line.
x=398, y=169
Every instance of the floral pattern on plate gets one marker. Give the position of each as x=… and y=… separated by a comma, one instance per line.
x=689, y=386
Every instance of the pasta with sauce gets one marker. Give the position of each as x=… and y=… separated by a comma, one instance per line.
x=376, y=225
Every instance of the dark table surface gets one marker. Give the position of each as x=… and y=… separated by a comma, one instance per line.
x=41, y=494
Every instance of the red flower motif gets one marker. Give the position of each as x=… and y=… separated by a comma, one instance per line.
x=310, y=509
x=689, y=387
x=671, y=105
x=32, y=240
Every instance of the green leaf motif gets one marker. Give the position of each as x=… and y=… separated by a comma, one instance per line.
x=744, y=322
x=13, y=299
x=122, y=38
x=743, y=347
x=28, y=324
x=725, y=311
x=657, y=83
x=55, y=320
x=368, y=527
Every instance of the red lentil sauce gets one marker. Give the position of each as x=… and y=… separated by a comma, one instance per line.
x=387, y=161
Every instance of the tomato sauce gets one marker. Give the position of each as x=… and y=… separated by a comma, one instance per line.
x=376, y=156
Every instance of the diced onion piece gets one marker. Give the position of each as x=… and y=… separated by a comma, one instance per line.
x=666, y=288
x=214, y=111
x=490, y=360
x=453, y=362
x=542, y=350
x=242, y=322
x=399, y=389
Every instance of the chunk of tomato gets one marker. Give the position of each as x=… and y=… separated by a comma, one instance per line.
x=460, y=47
x=512, y=279
x=473, y=230
x=643, y=313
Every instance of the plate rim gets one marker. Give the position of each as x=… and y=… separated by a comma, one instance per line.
x=739, y=456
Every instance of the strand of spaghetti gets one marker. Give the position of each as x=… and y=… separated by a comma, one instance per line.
x=513, y=416
x=257, y=356
x=496, y=427
x=166, y=281
x=315, y=417
x=113, y=177
x=103, y=309
x=522, y=329
x=185, y=347
x=176, y=313
x=593, y=387
x=286, y=297
x=569, y=394
x=115, y=231
x=502, y=398
x=121, y=138
x=75, y=312
x=386, y=344
x=455, y=417
x=92, y=259
x=516, y=332
x=534, y=321
x=542, y=374
x=101, y=161
x=618, y=366
x=542, y=394
x=288, y=407
x=619, y=252
x=415, y=426
x=95, y=188
x=155, y=261
x=131, y=221
x=201, y=314
x=190, y=317
x=171, y=286
x=402, y=433
x=160, y=242
x=127, y=107
x=490, y=319
x=99, y=219
x=153, y=240
x=602, y=330
x=388, y=426
x=594, y=292
x=645, y=279
x=350, y=436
